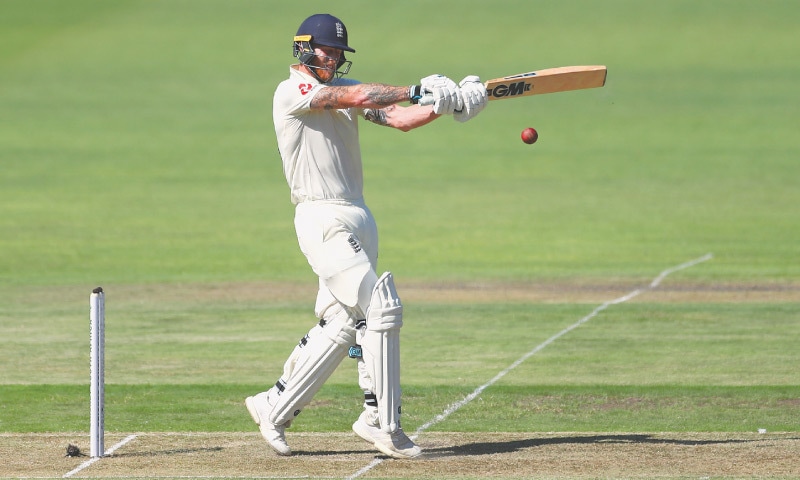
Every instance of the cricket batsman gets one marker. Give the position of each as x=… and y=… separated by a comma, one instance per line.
x=316, y=112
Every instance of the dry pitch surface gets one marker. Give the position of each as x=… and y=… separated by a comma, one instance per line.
x=447, y=455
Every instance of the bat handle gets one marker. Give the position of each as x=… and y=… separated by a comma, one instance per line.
x=426, y=99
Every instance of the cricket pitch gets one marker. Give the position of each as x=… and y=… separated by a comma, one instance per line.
x=447, y=456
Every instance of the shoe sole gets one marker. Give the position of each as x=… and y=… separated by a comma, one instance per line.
x=381, y=447
x=249, y=402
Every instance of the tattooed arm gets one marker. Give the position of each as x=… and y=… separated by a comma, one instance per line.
x=400, y=117
x=362, y=95
x=379, y=104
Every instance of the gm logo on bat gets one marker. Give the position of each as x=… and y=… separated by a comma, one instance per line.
x=510, y=89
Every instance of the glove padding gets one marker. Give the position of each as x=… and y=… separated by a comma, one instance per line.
x=444, y=92
x=473, y=98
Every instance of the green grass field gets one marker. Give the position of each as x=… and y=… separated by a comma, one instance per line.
x=137, y=153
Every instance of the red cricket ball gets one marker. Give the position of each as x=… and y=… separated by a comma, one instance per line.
x=529, y=135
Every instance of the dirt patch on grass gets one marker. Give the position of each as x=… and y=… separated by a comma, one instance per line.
x=577, y=291
x=562, y=291
x=447, y=456
x=581, y=291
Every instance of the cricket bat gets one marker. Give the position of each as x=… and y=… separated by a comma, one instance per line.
x=549, y=80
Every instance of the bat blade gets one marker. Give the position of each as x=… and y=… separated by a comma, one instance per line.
x=550, y=80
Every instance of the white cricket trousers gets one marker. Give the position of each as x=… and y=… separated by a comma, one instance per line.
x=338, y=238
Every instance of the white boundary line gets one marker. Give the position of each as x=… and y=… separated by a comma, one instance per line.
x=92, y=460
x=456, y=406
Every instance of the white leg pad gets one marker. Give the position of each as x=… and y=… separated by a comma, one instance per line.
x=381, y=351
x=380, y=343
x=311, y=363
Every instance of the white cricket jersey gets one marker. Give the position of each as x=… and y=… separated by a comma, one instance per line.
x=320, y=149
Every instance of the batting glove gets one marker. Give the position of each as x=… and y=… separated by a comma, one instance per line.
x=444, y=93
x=473, y=97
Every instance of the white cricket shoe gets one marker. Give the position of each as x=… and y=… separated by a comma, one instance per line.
x=396, y=444
x=273, y=434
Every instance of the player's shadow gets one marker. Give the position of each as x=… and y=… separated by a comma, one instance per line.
x=323, y=453
x=488, y=448
x=174, y=451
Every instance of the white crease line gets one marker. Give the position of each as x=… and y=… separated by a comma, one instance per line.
x=374, y=463
x=688, y=264
x=92, y=460
x=456, y=406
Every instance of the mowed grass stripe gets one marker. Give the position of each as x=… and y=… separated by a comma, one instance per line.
x=245, y=342
x=531, y=408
